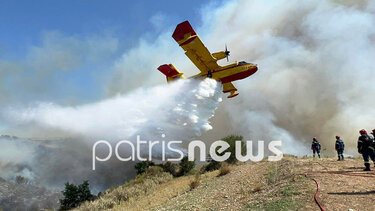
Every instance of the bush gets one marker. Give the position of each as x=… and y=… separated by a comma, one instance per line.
x=231, y=140
x=154, y=170
x=186, y=166
x=21, y=180
x=75, y=195
x=142, y=166
x=196, y=182
x=172, y=168
x=211, y=166
x=224, y=169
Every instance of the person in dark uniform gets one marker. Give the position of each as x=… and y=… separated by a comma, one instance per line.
x=315, y=146
x=340, y=148
x=366, y=148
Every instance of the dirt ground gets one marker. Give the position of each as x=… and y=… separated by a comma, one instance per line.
x=283, y=185
x=343, y=184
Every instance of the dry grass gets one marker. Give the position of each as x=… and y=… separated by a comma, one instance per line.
x=257, y=188
x=224, y=169
x=138, y=187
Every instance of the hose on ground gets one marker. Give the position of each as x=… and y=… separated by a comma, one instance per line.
x=345, y=173
x=316, y=193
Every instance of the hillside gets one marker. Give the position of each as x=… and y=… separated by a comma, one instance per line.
x=283, y=185
x=26, y=197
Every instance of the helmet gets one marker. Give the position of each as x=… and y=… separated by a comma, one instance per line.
x=363, y=131
x=337, y=137
x=315, y=139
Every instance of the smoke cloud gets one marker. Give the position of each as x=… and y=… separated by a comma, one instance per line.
x=315, y=62
x=180, y=110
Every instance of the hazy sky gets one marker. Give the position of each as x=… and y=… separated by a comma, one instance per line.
x=64, y=51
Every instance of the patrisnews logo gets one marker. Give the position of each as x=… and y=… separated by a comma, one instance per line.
x=217, y=150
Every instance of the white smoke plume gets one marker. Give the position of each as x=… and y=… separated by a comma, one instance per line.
x=180, y=110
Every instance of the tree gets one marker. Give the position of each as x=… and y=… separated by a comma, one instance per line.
x=231, y=140
x=211, y=166
x=75, y=195
x=142, y=166
x=172, y=168
x=186, y=166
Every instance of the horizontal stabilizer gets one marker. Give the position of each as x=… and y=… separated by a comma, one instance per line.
x=170, y=71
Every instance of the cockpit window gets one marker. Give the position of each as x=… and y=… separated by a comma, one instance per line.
x=242, y=62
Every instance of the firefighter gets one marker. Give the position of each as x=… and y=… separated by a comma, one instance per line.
x=315, y=146
x=366, y=148
x=340, y=148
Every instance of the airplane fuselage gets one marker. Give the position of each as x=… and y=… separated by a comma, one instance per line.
x=232, y=72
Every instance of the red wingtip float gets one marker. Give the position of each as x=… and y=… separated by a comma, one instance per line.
x=206, y=62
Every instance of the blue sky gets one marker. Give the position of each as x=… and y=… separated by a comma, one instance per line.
x=23, y=22
x=62, y=51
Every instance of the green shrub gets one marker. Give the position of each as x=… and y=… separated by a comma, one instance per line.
x=172, y=168
x=186, y=166
x=142, y=166
x=75, y=195
x=231, y=140
x=211, y=166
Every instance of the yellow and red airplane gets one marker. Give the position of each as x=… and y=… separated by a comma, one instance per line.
x=206, y=62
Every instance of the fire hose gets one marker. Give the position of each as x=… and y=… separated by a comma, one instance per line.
x=370, y=174
x=316, y=193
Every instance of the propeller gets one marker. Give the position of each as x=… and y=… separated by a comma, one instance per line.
x=227, y=53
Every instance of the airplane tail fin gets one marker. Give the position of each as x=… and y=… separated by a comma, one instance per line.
x=170, y=71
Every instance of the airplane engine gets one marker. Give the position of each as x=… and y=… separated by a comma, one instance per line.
x=219, y=55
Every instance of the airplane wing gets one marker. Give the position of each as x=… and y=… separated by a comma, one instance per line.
x=186, y=37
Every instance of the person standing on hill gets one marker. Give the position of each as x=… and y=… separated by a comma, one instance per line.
x=366, y=148
x=315, y=146
x=340, y=148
